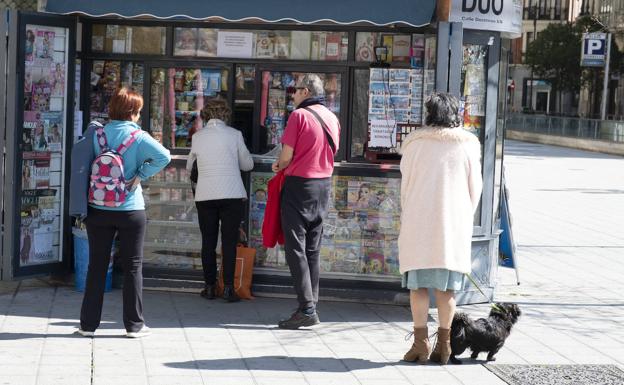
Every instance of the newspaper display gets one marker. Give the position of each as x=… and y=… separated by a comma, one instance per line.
x=43, y=130
x=395, y=98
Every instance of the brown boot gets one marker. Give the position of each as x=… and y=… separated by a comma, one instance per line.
x=442, y=350
x=421, y=348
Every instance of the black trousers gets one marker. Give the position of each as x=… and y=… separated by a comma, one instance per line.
x=101, y=228
x=230, y=213
x=304, y=204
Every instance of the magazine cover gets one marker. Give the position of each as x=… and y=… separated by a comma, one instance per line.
x=387, y=41
x=282, y=44
x=185, y=42
x=401, y=45
x=300, y=45
x=28, y=79
x=41, y=92
x=27, y=251
x=29, y=47
x=53, y=128
x=257, y=203
x=171, y=174
x=418, y=51
x=364, y=46
x=265, y=45
x=332, y=47
x=207, y=42
x=57, y=76
x=28, y=179
x=43, y=241
x=46, y=200
x=44, y=45
x=41, y=170
x=39, y=139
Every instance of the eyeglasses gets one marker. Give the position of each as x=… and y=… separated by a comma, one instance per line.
x=301, y=88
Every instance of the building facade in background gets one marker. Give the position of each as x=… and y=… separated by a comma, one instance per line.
x=527, y=91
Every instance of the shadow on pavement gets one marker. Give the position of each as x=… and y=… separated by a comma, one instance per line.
x=283, y=363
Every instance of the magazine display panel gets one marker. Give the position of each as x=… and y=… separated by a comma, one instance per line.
x=42, y=144
x=474, y=86
x=107, y=76
x=400, y=48
x=172, y=238
x=360, y=231
x=262, y=44
x=177, y=97
x=111, y=38
x=276, y=103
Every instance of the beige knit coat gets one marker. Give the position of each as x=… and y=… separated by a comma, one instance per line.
x=440, y=190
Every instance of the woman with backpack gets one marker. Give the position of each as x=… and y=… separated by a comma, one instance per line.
x=124, y=155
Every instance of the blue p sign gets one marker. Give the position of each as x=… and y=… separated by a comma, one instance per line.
x=594, y=46
x=594, y=49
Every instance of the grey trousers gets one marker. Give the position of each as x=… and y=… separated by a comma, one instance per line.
x=304, y=204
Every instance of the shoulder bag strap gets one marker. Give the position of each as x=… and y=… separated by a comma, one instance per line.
x=128, y=142
x=325, y=128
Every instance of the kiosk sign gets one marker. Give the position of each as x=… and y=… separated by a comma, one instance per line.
x=594, y=49
x=489, y=15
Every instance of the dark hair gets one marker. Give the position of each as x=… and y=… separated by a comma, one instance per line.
x=216, y=108
x=124, y=104
x=442, y=110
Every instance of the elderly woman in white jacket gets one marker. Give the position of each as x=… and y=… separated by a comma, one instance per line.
x=440, y=191
x=221, y=154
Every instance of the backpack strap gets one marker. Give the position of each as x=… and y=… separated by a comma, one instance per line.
x=101, y=138
x=128, y=142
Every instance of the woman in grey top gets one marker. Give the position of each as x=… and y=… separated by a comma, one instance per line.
x=221, y=154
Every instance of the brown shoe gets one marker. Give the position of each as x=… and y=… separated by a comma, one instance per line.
x=442, y=350
x=421, y=348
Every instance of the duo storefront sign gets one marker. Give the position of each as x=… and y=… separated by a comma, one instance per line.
x=504, y=16
x=594, y=49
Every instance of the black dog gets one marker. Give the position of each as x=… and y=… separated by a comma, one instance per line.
x=483, y=335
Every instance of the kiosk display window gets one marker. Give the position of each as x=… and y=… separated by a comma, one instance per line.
x=360, y=231
x=106, y=77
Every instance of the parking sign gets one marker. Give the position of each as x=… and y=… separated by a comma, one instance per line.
x=594, y=49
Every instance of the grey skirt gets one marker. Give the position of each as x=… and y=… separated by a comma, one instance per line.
x=441, y=279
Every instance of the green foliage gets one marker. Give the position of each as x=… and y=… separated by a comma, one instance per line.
x=555, y=54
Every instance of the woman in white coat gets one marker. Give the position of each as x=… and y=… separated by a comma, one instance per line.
x=221, y=154
x=440, y=191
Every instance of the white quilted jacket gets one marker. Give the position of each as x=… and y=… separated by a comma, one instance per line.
x=221, y=155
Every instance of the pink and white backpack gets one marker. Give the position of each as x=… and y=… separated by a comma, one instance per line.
x=107, y=186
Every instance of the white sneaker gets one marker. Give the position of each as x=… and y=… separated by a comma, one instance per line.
x=84, y=333
x=144, y=332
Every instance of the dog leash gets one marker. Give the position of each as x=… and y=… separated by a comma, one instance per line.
x=494, y=305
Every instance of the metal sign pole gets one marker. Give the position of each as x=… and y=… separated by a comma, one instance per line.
x=605, y=84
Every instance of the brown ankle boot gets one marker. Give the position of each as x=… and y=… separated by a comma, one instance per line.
x=442, y=350
x=421, y=348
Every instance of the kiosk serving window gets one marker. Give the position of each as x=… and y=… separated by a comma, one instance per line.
x=177, y=96
x=276, y=102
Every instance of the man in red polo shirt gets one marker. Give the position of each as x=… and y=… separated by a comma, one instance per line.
x=309, y=144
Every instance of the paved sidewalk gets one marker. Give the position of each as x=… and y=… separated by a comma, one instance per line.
x=567, y=207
